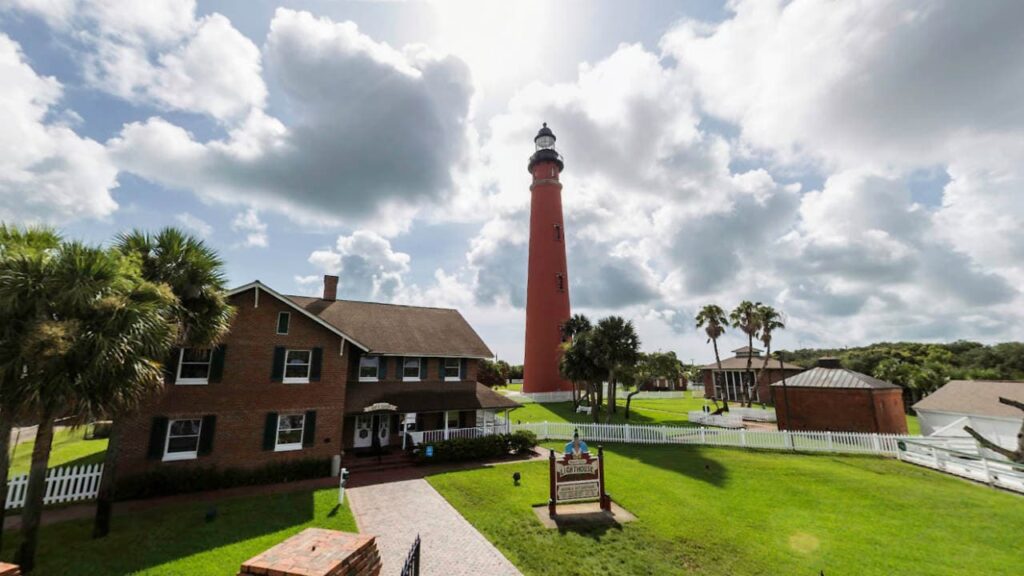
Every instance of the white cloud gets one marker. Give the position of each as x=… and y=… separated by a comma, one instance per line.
x=194, y=223
x=255, y=230
x=367, y=266
x=47, y=172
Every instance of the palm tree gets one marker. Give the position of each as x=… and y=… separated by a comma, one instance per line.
x=575, y=325
x=745, y=317
x=86, y=323
x=616, y=347
x=770, y=320
x=713, y=320
x=578, y=364
x=200, y=314
x=14, y=243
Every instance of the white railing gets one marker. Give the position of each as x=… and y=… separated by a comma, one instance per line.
x=659, y=394
x=726, y=420
x=754, y=414
x=64, y=484
x=428, y=436
x=999, y=473
x=838, y=442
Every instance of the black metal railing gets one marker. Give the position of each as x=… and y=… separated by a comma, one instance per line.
x=412, y=560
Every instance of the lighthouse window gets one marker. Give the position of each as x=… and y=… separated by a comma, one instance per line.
x=558, y=232
x=561, y=282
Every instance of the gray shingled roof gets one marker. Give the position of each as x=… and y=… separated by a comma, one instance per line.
x=819, y=377
x=975, y=397
x=398, y=329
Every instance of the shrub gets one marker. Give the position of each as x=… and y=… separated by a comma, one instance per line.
x=481, y=447
x=165, y=481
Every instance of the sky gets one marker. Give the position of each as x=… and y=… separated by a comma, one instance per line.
x=857, y=165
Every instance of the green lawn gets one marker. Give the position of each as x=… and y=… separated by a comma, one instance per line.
x=705, y=511
x=913, y=426
x=69, y=448
x=178, y=540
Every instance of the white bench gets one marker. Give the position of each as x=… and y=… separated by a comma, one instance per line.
x=583, y=409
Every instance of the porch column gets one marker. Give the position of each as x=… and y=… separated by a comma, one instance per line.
x=445, y=424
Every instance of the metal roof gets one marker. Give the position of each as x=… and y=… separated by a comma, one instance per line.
x=819, y=377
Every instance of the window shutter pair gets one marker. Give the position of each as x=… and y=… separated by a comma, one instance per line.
x=158, y=436
x=315, y=361
x=217, y=363
x=171, y=366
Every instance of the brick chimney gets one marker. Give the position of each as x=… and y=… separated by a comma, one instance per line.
x=330, y=287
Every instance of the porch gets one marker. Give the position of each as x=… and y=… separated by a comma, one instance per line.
x=386, y=430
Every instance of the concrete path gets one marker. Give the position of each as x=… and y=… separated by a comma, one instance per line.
x=396, y=512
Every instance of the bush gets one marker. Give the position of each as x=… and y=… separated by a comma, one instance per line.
x=481, y=447
x=165, y=481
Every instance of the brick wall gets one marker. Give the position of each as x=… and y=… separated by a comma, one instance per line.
x=246, y=393
x=840, y=410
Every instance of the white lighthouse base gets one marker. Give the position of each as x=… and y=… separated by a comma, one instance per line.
x=549, y=397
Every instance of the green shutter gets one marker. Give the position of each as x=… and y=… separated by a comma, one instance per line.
x=171, y=366
x=157, y=438
x=400, y=372
x=277, y=372
x=206, y=431
x=463, y=373
x=316, y=361
x=382, y=367
x=440, y=368
x=309, y=429
x=270, y=431
x=423, y=369
x=217, y=363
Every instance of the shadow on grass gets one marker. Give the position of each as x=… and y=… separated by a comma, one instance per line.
x=145, y=540
x=691, y=461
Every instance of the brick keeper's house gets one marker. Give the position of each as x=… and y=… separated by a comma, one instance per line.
x=302, y=377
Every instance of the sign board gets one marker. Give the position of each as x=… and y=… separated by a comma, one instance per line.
x=577, y=476
x=430, y=451
x=410, y=418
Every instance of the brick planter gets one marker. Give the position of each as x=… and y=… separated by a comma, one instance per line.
x=317, y=552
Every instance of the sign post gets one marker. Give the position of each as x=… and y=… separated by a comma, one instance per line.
x=577, y=476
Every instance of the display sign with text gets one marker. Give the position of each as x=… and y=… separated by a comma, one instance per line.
x=577, y=476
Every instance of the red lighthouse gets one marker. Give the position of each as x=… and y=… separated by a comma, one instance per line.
x=547, y=282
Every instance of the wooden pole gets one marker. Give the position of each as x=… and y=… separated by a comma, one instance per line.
x=551, y=477
x=606, y=502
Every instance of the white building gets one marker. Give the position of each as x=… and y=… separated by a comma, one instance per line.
x=973, y=403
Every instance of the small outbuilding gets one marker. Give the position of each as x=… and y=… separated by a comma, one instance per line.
x=733, y=373
x=973, y=403
x=830, y=397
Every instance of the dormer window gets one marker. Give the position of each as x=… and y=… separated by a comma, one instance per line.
x=369, y=368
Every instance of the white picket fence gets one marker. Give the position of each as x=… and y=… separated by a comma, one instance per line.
x=64, y=484
x=838, y=442
x=966, y=464
x=726, y=420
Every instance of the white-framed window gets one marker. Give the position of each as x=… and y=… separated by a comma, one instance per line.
x=452, y=369
x=289, y=432
x=283, y=322
x=369, y=368
x=410, y=369
x=296, y=366
x=182, y=439
x=194, y=366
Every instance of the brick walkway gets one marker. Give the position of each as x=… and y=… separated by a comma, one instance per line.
x=397, y=511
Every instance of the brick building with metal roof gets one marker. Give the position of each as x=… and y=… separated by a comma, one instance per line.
x=830, y=397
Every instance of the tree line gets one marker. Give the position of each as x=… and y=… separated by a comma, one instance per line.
x=86, y=331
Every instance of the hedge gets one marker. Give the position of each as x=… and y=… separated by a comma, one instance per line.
x=165, y=481
x=481, y=447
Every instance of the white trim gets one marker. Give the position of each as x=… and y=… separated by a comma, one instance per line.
x=297, y=379
x=261, y=286
x=178, y=380
x=421, y=355
x=256, y=303
x=967, y=414
x=288, y=324
x=278, y=447
x=177, y=456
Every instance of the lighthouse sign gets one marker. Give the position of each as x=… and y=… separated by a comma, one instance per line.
x=577, y=476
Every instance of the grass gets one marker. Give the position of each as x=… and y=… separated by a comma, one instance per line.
x=69, y=448
x=705, y=511
x=178, y=540
x=667, y=412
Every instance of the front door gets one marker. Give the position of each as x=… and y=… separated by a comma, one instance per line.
x=384, y=428
x=364, y=432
